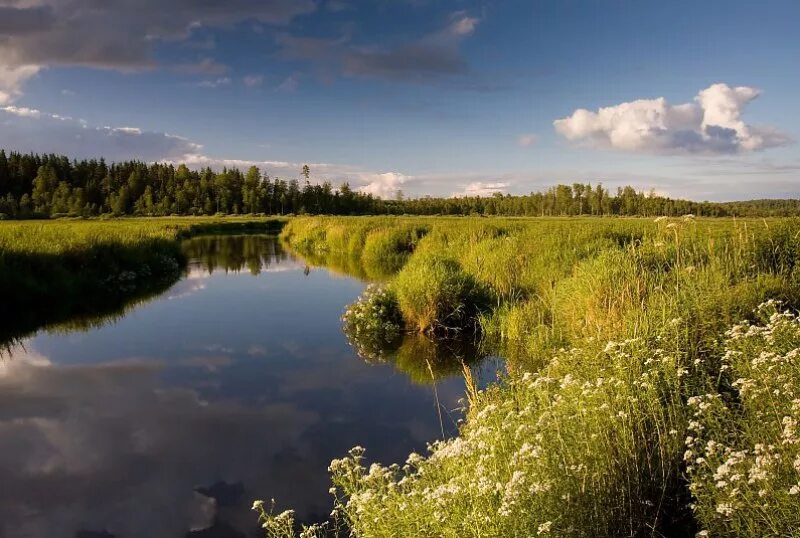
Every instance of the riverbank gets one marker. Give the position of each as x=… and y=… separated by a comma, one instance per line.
x=57, y=270
x=618, y=334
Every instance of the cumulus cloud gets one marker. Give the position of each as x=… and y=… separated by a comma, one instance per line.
x=711, y=124
x=527, y=140
x=385, y=185
x=23, y=112
x=113, y=35
x=479, y=188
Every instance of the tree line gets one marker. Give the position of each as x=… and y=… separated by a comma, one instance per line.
x=41, y=186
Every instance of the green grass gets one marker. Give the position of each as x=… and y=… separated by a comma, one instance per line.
x=743, y=444
x=648, y=394
x=53, y=271
x=610, y=326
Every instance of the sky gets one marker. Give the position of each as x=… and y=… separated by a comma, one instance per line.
x=694, y=99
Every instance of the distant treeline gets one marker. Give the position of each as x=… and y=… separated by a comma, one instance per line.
x=41, y=186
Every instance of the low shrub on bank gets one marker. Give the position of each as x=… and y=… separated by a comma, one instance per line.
x=373, y=323
x=436, y=295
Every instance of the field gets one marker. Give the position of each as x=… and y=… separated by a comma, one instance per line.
x=653, y=374
x=653, y=365
x=57, y=270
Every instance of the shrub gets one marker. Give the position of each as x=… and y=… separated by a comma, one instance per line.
x=435, y=295
x=373, y=323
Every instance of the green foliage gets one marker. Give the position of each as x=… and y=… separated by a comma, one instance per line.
x=436, y=295
x=386, y=251
x=373, y=323
x=564, y=452
x=743, y=447
x=51, y=271
x=779, y=251
x=49, y=185
x=609, y=327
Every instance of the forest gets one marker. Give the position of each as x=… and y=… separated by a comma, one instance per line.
x=42, y=186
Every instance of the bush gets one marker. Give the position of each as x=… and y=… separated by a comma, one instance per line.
x=373, y=323
x=435, y=295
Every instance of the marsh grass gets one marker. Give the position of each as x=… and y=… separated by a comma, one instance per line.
x=743, y=443
x=435, y=295
x=609, y=326
x=52, y=272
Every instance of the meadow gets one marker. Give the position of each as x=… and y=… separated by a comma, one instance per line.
x=653, y=375
x=653, y=364
x=52, y=271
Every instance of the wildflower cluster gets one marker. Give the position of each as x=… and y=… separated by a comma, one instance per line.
x=373, y=323
x=537, y=456
x=743, y=444
x=283, y=525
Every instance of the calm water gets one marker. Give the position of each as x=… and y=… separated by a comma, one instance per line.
x=235, y=384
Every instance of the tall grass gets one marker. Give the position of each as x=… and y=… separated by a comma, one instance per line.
x=51, y=271
x=743, y=444
x=610, y=326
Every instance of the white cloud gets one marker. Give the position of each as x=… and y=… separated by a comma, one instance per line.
x=384, y=185
x=711, y=124
x=216, y=83
x=290, y=84
x=22, y=111
x=479, y=188
x=12, y=78
x=527, y=140
x=462, y=25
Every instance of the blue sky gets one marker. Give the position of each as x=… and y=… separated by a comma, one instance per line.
x=431, y=97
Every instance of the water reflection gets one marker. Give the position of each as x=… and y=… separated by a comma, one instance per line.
x=255, y=253
x=422, y=359
x=235, y=384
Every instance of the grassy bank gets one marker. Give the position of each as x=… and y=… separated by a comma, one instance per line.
x=51, y=271
x=613, y=329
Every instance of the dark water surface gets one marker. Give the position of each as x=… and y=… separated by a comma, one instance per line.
x=235, y=384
